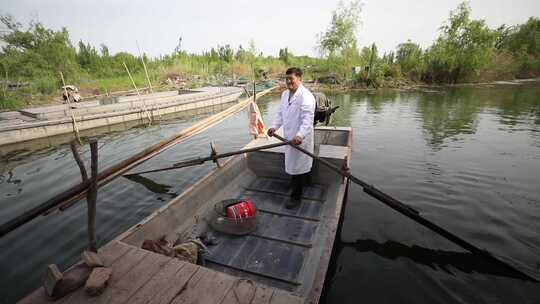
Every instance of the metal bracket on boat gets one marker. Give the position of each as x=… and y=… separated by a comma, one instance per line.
x=213, y=154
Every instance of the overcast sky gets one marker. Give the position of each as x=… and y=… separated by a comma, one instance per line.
x=274, y=24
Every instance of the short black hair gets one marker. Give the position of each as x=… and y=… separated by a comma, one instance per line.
x=293, y=70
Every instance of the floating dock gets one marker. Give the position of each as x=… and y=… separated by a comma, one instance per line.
x=42, y=122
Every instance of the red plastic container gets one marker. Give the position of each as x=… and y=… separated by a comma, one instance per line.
x=241, y=210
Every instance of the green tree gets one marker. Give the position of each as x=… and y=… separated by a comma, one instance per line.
x=341, y=34
x=464, y=47
x=37, y=54
x=525, y=38
x=409, y=57
x=339, y=41
x=38, y=49
x=225, y=53
x=285, y=56
x=88, y=58
x=241, y=55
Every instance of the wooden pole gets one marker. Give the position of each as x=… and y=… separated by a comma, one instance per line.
x=147, y=77
x=77, y=192
x=411, y=213
x=213, y=157
x=7, y=82
x=254, y=91
x=75, y=127
x=91, y=196
x=138, y=94
x=144, y=65
x=79, y=161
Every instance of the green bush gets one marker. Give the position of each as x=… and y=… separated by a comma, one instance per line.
x=46, y=85
x=10, y=102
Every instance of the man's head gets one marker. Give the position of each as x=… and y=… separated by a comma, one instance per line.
x=293, y=78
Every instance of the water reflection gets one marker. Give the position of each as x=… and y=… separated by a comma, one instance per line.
x=342, y=116
x=435, y=259
x=447, y=115
x=450, y=113
x=151, y=185
x=516, y=106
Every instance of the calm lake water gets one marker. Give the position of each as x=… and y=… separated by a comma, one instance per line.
x=467, y=158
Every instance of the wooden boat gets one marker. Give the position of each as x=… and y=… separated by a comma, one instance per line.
x=291, y=248
x=286, y=258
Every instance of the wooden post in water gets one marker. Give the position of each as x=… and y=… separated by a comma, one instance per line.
x=91, y=195
x=79, y=161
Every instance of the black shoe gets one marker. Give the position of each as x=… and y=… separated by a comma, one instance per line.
x=292, y=203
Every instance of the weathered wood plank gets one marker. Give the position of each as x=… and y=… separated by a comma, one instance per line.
x=242, y=291
x=112, y=252
x=206, y=286
x=263, y=295
x=109, y=254
x=283, y=297
x=120, y=268
x=137, y=277
x=164, y=287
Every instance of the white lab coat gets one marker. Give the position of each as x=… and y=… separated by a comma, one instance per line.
x=296, y=117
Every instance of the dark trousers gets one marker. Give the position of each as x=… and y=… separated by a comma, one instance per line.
x=298, y=182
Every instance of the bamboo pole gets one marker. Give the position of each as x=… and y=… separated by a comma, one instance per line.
x=76, y=192
x=74, y=122
x=147, y=77
x=214, y=156
x=138, y=94
x=144, y=65
x=119, y=169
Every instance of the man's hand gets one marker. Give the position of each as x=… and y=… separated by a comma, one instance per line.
x=297, y=140
x=271, y=132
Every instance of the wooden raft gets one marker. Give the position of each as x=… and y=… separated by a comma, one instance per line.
x=141, y=276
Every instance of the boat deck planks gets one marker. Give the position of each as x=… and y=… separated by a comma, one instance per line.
x=278, y=249
x=140, y=276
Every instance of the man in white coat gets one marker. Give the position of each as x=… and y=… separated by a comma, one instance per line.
x=295, y=114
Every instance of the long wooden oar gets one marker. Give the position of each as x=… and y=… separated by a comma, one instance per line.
x=200, y=160
x=74, y=194
x=412, y=213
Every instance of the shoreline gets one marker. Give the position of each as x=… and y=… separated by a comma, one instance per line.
x=402, y=85
x=411, y=85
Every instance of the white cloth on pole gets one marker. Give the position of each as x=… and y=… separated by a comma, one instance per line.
x=296, y=117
